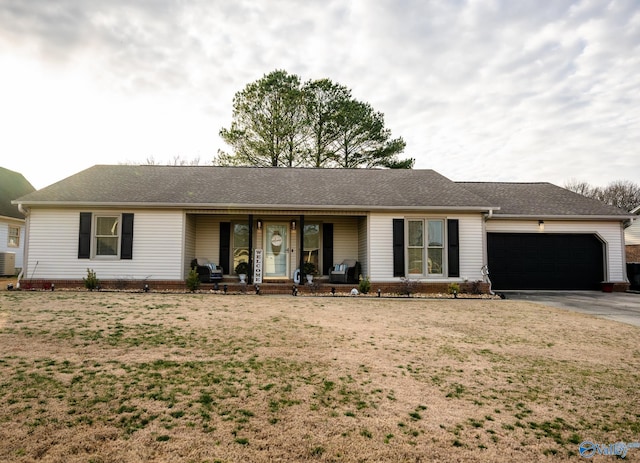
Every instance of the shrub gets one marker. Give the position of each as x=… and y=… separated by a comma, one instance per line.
x=242, y=268
x=91, y=282
x=365, y=285
x=193, y=280
x=309, y=268
x=454, y=288
x=408, y=286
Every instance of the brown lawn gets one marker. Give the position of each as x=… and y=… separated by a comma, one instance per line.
x=134, y=377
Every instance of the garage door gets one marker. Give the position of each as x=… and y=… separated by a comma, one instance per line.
x=545, y=261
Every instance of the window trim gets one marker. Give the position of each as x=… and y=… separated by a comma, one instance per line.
x=17, y=237
x=234, y=247
x=425, y=247
x=95, y=236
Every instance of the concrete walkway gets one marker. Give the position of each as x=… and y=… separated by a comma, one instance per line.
x=621, y=307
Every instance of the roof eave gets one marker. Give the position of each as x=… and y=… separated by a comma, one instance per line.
x=561, y=217
x=9, y=218
x=354, y=207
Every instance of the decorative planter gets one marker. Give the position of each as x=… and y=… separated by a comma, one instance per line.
x=309, y=278
x=243, y=278
x=607, y=287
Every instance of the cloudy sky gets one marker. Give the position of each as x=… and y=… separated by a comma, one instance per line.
x=486, y=90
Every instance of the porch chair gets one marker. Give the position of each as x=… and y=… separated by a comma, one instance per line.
x=344, y=272
x=207, y=271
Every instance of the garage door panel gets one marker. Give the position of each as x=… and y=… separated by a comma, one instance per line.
x=545, y=261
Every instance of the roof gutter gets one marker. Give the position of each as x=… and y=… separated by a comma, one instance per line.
x=23, y=210
x=275, y=207
x=563, y=217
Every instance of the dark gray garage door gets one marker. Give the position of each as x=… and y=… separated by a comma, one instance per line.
x=545, y=261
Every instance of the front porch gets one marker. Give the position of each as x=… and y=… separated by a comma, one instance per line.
x=279, y=247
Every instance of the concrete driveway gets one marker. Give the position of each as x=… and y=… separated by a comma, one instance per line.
x=621, y=307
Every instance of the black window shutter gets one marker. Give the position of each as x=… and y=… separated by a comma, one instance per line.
x=327, y=248
x=84, y=239
x=225, y=246
x=453, y=248
x=126, y=244
x=398, y=247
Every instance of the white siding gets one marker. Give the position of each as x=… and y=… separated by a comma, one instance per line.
x=381, y=246
x=189, y=243
x=632, y=233
x=345, y=239
x=471, y=238
x=208, y=238
x=362, y=246
x=158, y=244
x=610, y=233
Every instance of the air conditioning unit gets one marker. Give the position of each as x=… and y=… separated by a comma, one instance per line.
x=7, y=263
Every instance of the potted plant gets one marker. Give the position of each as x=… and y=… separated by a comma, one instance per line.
x=309, y=269
x=242, y=270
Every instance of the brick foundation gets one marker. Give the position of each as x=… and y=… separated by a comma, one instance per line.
x=282, y=287
x=633, y=253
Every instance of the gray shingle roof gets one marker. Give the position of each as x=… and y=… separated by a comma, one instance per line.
x=207, y=186
x=293, y=188
x=540, y=200
x=12, y=186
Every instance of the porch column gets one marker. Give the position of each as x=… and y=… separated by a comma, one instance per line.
x=301, y=254
x=250, y=276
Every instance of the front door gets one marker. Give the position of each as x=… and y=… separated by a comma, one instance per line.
x=276, y=251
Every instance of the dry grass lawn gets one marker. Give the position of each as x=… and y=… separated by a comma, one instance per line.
x=127, y=377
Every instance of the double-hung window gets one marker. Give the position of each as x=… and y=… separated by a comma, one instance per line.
x=13, y=240
x=312, y=245
x=435, y=247
x=425, y=247
x=107, y=236
x=240, y=243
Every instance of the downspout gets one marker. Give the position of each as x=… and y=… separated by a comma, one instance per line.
x=251, y=263
x=488, y=215
x=24, y=211
x=485, y=268
x=301, y=247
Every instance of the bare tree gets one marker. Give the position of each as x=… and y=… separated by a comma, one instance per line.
x=175, y=161
x=620, y=193
x=579, y=187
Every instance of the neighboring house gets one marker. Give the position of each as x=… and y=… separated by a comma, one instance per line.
x=632, y=237
x=147, y=223
x=12, y=222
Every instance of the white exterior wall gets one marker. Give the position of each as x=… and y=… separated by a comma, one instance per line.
x=471, y=242
x=158, y=243
x=632, y=233
x=189, y=243
x=611, y=234
x=363, y=250
x=4, y=239
x=345, y=239
x=472, y=246
x=208, y=237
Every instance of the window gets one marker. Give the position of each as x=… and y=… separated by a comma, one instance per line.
x=312, y=245
x=429, y=248
x=435, y=250
x=107, y=236
x=14, y=237
x=415, y=245
x=240, y=244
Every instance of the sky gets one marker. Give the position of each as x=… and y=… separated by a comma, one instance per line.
x=480, y=90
